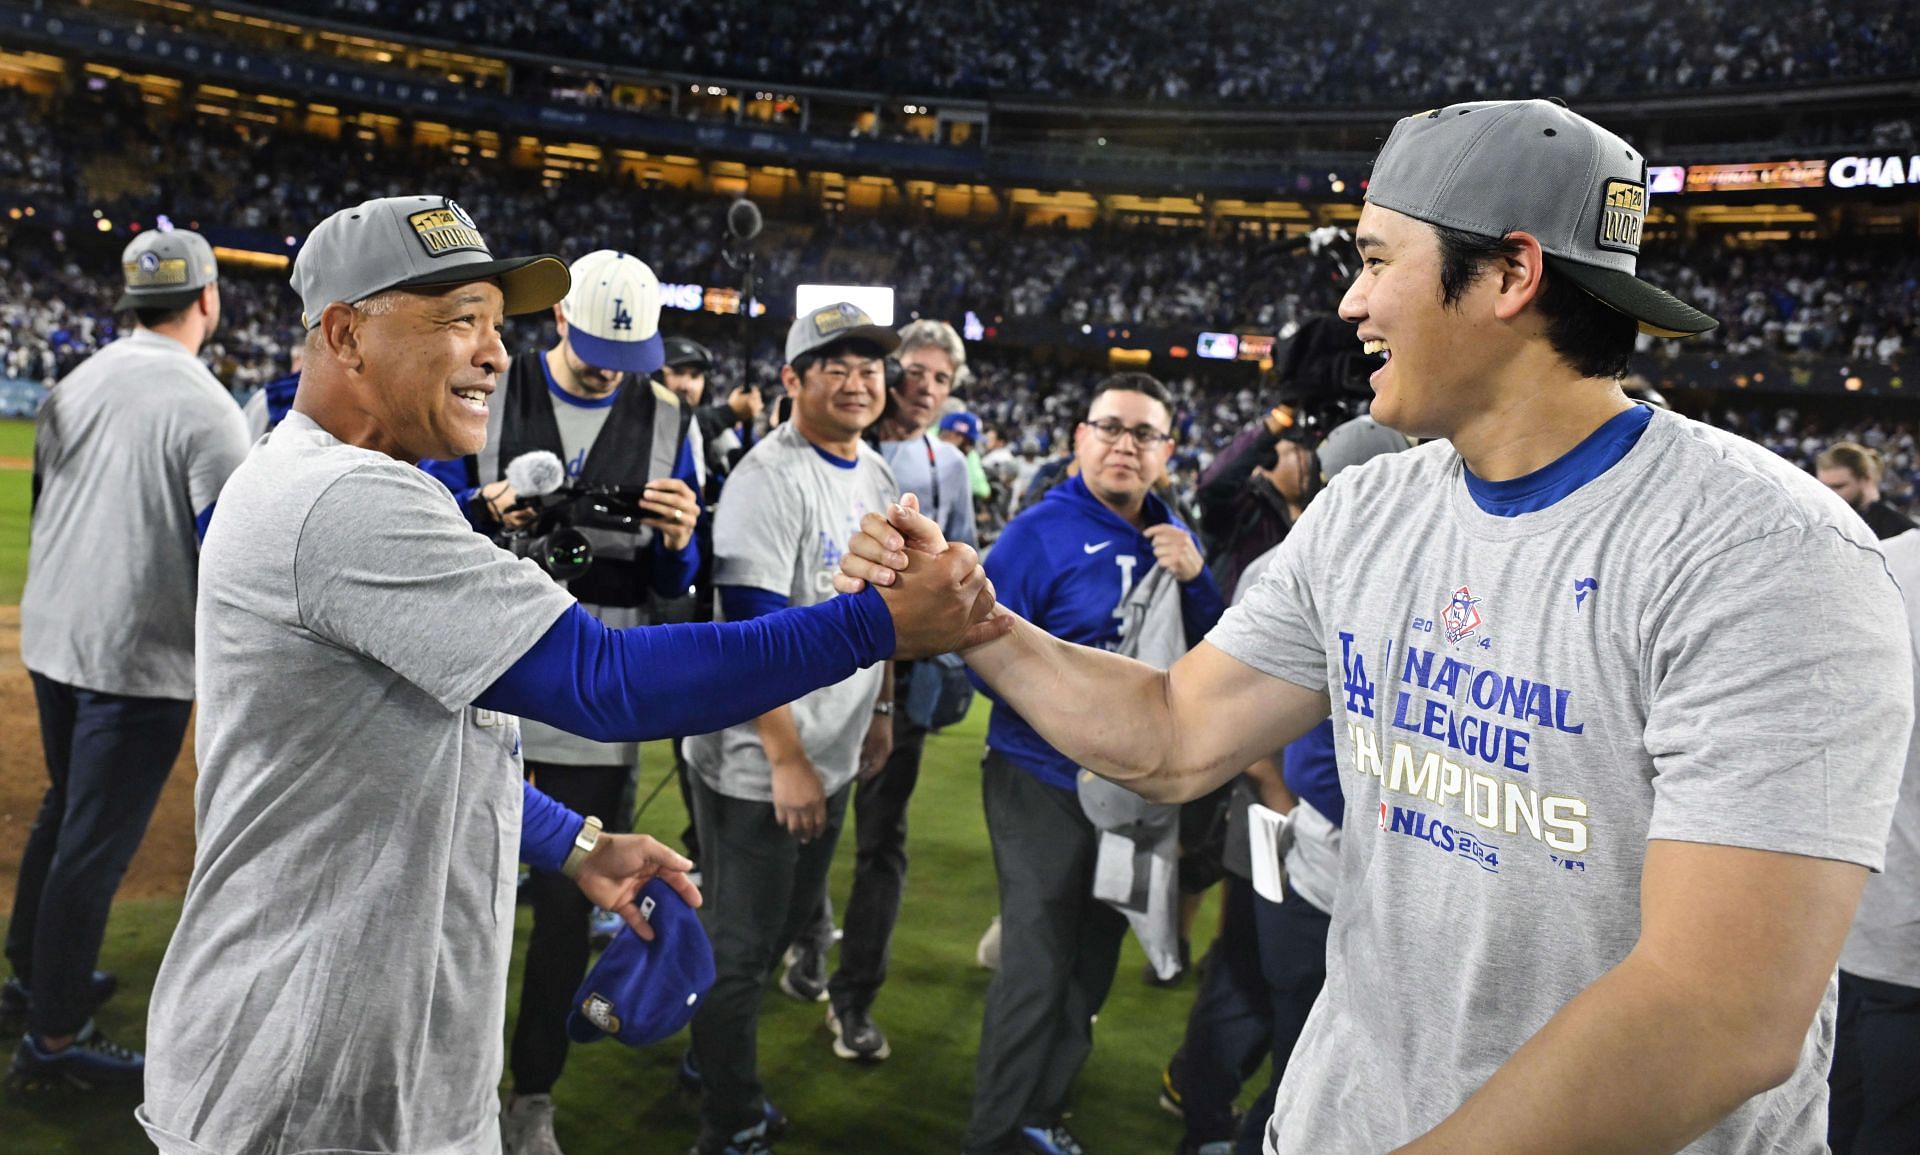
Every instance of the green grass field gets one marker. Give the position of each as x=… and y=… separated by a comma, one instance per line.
x=619, y=1100
x=16, y=441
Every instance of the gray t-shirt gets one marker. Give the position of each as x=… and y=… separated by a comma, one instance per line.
x=129, y=448
x=1885, y=942
x=338, y=978
x=1702, y=644
x=916, y=463
x=782, y=525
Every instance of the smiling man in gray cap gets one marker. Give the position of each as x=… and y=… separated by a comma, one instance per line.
x=1619, y=700
x=130, y=451
x=337, y=980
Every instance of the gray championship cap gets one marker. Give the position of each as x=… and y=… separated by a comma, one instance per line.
x=1498, y=166
x=166, y=269
x=1356, y=441
x=413, y=242
x=817, y=328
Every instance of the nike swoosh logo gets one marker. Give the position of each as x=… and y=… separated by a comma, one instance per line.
x=1091, y=548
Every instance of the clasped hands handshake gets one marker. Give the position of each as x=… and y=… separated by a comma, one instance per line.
x=937, y=592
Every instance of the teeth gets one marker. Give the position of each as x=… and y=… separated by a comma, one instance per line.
x=1374, y=347
x=474, y=395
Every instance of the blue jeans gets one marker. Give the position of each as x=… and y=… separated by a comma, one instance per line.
x=108, y=755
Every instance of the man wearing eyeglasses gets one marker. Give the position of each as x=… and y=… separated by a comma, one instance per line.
x=1067, y=564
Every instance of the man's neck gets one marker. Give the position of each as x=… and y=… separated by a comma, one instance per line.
x=191, y=337
x=899, y=429
x=1536, y=424
x=1134, y=513
x=846, y=449
x=563, y=377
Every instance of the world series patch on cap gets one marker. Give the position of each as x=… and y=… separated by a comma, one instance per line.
x=166, y=269
x=413, y=242
x=1493, y=167
x=641, y=992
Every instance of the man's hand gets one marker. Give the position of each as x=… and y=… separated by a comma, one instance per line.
x=941, y=600
x=746, y=403
x=878, y=746
x=675, y=510
x=799, y=800
x=620, y=864
x=1173, y=548
x=497, y=498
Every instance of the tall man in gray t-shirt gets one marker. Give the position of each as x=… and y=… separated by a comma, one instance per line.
x=1620, y=701
x=337, y=980
x=769, y=795
x=129, y=454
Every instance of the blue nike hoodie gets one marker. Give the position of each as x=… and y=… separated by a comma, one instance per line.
x=1066, y=565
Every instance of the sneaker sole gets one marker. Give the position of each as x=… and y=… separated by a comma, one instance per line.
x=841, y=1049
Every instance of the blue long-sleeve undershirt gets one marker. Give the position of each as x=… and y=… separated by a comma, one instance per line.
x=649, y=682
x=743, y=603
x=547, y=830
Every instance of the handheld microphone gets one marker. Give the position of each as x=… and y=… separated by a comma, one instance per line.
x=535, y=474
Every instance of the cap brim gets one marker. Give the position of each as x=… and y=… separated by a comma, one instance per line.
x=170, y=299
x=643, y=356
x=529, y=284
x=581, y=1029
x=1660, y=313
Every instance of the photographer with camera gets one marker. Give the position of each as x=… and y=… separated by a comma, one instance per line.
x=620, y=536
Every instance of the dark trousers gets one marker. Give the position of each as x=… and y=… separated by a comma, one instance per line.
x=1059, y=946
x=1875, y=1079
x=1293, y=958
x=879, y=873
x=108, y=755
x=760, y=886
x=1230, y=1029
x=557, y=949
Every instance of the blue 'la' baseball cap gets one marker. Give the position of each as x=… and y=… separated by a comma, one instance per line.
x=641, y=992
x=963, y=423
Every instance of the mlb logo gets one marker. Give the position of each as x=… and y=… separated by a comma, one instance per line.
x=1461, y=617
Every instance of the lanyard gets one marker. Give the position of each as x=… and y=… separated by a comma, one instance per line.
x=933, y=472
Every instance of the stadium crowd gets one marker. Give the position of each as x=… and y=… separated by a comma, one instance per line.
x=1382, y=51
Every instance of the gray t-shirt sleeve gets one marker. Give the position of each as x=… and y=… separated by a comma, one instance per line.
x=1750, y=638
x=753, y=531
x=387, y=567
x=216, y=443
x=1275, y=625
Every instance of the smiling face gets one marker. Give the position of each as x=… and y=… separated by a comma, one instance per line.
x=925, y=384
x=1435, y=357
x=839, y=396
x=427, y=369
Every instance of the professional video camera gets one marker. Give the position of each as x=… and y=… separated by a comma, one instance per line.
x=566, y=517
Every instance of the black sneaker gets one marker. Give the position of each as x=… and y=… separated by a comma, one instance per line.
x=88, y=1063
x=753, y=1141
x=1179, y=976
x=855, y=1037
x=805, y=978
x=16, y=1001
x=1171, y=1100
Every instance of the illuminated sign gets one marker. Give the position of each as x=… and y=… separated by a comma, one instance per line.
x=1255, y=348
x=875, y=301
x=1666, y=178
x=1218, y=346
x=1777, y=174
x=1874, y=171
x=682, y=297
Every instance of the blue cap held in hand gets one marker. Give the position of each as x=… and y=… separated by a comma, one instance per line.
x=641, y=992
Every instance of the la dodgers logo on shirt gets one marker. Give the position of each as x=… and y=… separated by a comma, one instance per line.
x=1460, y=619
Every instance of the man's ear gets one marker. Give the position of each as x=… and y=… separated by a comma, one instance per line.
x=1522, y=277
x=340, y=332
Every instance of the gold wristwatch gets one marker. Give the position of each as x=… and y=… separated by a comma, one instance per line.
x=583, y=844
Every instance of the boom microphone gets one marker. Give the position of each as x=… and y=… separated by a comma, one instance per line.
x=535, y=474
x=743, y=220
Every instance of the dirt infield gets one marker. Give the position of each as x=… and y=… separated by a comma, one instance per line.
x=165, y=858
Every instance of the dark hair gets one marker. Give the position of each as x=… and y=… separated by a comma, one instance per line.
x=155, y=316
x=1588, y=334
x=1142, y=383
x=858, y=346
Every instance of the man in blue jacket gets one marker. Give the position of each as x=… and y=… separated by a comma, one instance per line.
x=1067, y=564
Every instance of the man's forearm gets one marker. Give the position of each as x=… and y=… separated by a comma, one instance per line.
x=1637, y=1062
x=779, y=736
